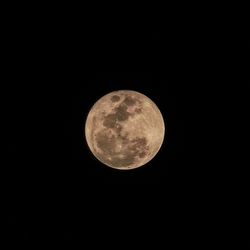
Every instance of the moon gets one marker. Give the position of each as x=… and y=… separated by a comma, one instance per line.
x=124, y=129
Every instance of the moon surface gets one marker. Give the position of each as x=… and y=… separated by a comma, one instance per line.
x=124, y=129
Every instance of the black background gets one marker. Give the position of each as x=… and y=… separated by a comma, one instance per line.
x=58, y=64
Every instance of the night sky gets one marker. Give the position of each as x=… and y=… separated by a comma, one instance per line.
x=57, y=68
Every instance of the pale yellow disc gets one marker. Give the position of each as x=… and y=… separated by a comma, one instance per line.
x=124, y=129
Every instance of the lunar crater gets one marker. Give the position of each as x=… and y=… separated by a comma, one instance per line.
x=115, y=98
x=130, y=101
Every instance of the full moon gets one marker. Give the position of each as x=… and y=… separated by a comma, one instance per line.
x=124, y=129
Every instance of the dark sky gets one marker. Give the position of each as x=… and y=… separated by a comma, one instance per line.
x=56, y=185
x=58, y=65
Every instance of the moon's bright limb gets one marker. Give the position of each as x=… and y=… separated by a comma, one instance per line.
x=124, y=129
